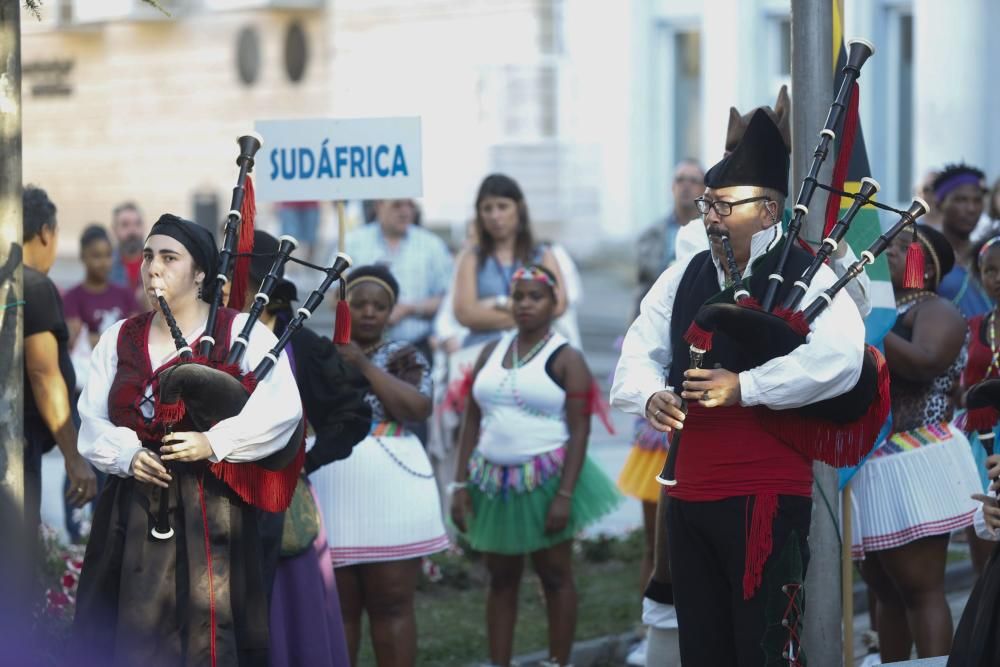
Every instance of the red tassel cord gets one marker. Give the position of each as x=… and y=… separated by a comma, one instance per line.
x=913, y=278
x=759, y=542
x=844, y=148
x=241, y=274
x=342, y=325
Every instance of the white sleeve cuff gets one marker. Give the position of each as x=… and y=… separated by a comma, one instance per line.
x=748, y=390
x=221, y=446
x=124, y=460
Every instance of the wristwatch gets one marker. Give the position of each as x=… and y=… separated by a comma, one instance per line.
x=501, y=302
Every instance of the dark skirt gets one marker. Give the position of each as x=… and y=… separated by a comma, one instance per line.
x=977, y=639
x=195, y=599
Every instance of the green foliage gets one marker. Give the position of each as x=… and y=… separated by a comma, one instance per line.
x=35, y=7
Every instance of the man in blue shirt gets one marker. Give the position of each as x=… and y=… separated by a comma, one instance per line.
x=418, y=259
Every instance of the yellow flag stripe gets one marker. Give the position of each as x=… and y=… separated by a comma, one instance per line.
x=838, y=31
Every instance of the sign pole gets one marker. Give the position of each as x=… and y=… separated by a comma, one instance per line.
x=341, y=226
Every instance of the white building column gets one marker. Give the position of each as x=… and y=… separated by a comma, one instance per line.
x=953, y=118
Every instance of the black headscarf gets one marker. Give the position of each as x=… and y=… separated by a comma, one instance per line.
x=196, y=240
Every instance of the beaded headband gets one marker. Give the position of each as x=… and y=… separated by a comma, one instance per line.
x=986, y=248
x=351, y=284
x=533, y=273
x=924, y=241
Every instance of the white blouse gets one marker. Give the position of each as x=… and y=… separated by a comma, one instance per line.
x=264, y=426
x=827, y=365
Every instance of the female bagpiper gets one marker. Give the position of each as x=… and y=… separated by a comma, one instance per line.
x=195, y=598
x=524, y=484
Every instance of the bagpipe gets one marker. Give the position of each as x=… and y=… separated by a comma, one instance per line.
x=204, y=390
x=841, y=430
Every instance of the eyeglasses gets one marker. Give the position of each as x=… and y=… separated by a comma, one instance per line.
x=724, y=208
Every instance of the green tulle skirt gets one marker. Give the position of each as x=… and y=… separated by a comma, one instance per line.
x=513, y=521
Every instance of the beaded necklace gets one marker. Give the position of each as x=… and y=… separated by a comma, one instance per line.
x=919, y=295
x=516, y=363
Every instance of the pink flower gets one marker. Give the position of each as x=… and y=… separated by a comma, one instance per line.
x=69, y=581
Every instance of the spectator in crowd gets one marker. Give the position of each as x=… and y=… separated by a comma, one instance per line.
x=959, y=191
x=48, y=371
x=418, y=259
x=657, y=244
x=505, y=244
x=301, y=220
x=129, y=231
x=96, y=303
x=915, y=488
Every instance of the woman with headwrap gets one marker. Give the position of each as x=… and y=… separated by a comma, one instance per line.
x=959, y=191
x=196, y=598
x=381, y=504
x=915, y=488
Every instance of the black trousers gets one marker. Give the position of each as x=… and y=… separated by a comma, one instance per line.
x=717, y=627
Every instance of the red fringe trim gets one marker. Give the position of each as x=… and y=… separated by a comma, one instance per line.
x=249, y=382
x=169, y=413
x=980, y=420
x=837, y=445
x=796, y=320
x=760, y=541
x=913, y=278
x=751, y=303
x=342, y=325
x=698, y=337
x=269, y=490
x=241, y=273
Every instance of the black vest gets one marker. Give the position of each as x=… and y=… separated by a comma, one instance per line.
x=700, y=285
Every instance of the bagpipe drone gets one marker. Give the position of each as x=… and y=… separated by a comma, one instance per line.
x=842, y=430
x=201, y=391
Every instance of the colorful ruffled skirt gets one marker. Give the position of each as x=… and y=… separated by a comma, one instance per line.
x=510, y=502
x=915, y=484
x=645, y=461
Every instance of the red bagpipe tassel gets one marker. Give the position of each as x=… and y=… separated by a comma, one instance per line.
x=913, y=278
x=241, y=272
x=979, y=420
x=342, y=325
x=698, y=338
x=170, y=413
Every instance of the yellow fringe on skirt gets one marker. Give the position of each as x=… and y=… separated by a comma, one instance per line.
x=638, y=476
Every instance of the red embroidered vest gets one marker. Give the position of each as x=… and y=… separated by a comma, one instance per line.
x=135, y=372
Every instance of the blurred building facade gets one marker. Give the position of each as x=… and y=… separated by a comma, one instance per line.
x=587, y=104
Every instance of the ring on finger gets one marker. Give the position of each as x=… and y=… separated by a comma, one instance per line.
x=704, y=395
x=657, y=413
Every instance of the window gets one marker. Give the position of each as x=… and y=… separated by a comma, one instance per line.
x=687, y=96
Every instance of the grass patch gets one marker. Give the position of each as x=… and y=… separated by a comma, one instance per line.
x=451, y=613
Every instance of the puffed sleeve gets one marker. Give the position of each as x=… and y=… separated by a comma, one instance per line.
x=110, y=448
x=270, y=415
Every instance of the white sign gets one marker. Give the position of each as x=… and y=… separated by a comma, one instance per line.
x=324, y=159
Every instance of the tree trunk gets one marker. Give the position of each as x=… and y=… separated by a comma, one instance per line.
x=14, y=543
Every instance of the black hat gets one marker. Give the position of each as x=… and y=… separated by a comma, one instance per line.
x=760, y=159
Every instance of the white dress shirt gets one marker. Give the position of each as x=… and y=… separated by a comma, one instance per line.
x=264, y=426
x=826, y=365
